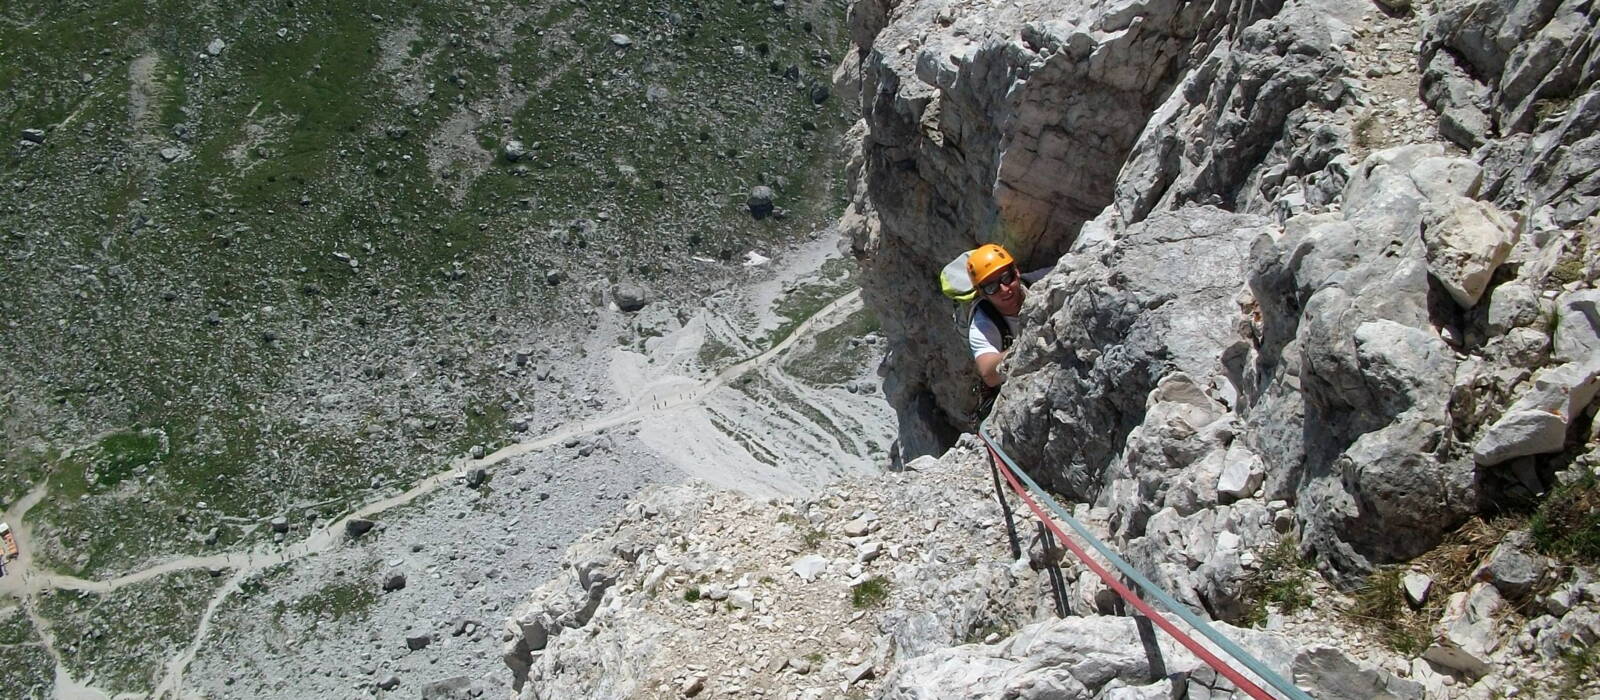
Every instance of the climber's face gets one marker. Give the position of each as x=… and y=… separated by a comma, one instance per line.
x=1004, y=290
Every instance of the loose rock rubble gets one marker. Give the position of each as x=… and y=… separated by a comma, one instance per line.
x=756, y=596
x=897, y=586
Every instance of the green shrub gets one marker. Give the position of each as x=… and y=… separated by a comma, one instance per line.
x=870, y=593
x=1577, y=668
x=1280, y=580
x=1567, y=524
x=1567, y=271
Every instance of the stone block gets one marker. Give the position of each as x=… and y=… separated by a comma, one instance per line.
x=1466, y=635
x=1466, y=240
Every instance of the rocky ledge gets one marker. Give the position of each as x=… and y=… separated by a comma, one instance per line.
x=898, y=587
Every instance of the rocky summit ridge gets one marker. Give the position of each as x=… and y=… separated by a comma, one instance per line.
x=1318, y=354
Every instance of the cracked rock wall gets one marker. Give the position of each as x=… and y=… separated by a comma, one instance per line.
x=1261, y=321
x=1022, y=122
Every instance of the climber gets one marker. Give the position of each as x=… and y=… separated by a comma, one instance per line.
x=1001, y=288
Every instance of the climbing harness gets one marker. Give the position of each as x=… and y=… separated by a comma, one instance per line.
x=1032, y=495
x=987, y=394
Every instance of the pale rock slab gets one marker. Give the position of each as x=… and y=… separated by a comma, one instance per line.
x=1466, y=634
x=868, y=552
x=1520, y=433
x=858, y=527
x=1537, y=422
x=1328, y=672
x=1242, y=473
x=809, y=567
x=1466, y=240
x=1416, y=587
x=1512, y=305
x=1577, y=336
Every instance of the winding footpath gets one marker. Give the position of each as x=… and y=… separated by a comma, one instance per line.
x=664, y=396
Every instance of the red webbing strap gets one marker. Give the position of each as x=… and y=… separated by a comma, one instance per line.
x=1238, y=679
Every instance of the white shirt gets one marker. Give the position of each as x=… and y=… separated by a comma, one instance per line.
x=983, y=336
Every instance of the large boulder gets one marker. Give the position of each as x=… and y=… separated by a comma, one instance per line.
x=1345, y=380
x=1105, y=328
x=630, y=296
x=1466, y=240
x=1514, y=567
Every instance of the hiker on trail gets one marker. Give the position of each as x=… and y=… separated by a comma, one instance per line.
x=1000, y=287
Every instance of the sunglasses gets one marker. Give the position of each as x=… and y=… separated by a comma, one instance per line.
x=1004, y=279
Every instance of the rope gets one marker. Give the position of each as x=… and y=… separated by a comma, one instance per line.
x=1012, y=473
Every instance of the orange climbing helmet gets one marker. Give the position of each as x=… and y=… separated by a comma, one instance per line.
x=989, y=259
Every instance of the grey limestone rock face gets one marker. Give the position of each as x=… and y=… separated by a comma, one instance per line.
x=1250, y=121
x=1462, y=103
x=1150, y=381
x=1345, y=381
x=1324, y=318
x=1019, y=124
x=1525, y=50
x=1529, y=67
x=1103, y=331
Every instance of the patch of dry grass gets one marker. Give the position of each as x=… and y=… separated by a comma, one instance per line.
x=1567, y=524
x=1380, y=602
